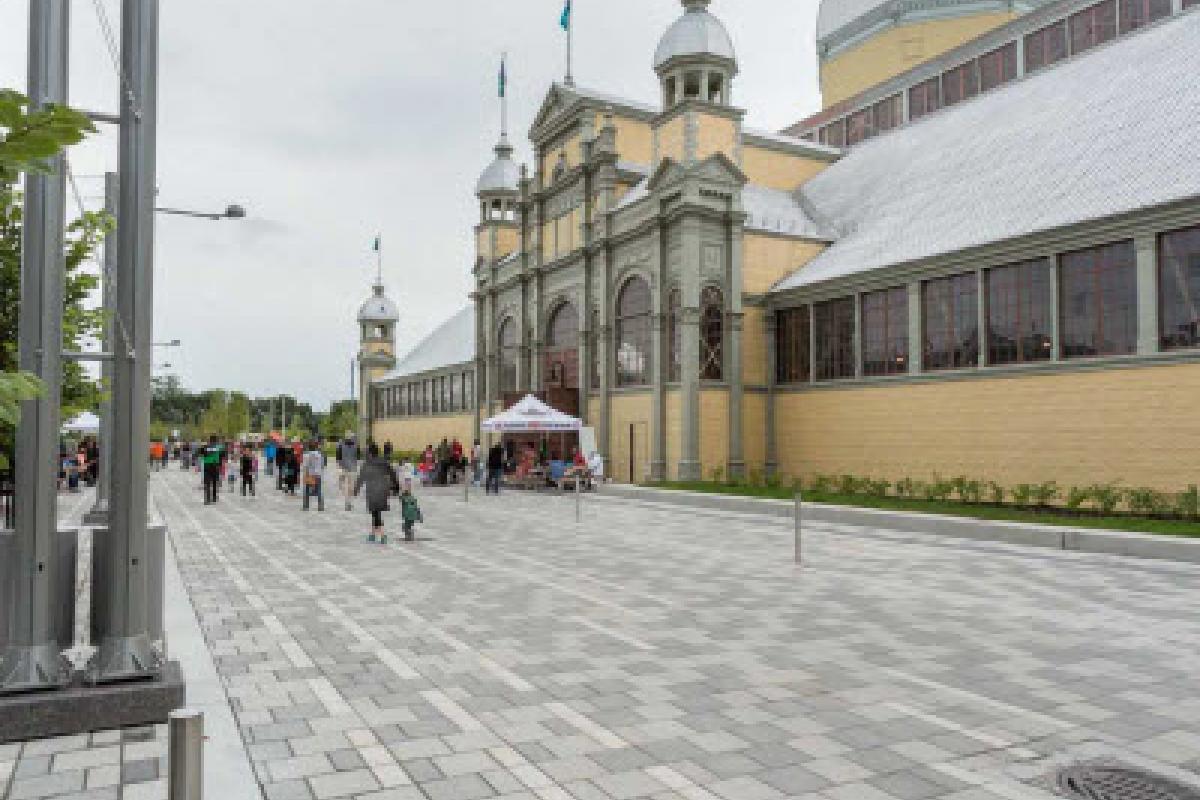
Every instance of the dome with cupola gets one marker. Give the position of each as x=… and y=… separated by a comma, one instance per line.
x=697, y=34
x=503, y=174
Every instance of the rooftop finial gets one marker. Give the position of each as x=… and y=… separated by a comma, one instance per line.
x=696, y=5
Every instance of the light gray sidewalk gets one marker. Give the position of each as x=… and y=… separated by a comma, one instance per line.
x=666, y=653
x=131, y=764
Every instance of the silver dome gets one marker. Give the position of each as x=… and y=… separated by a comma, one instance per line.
x=379, y=308
x=697, y=32
x=503, y=174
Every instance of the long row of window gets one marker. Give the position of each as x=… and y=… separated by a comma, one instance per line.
x=1081, y=31
x=1097, y=316
x=444, y=394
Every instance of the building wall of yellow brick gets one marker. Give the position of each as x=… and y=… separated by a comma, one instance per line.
x=754, y=430
x=754, y=347
x=508, y=241
x=671, y=138
x=635, y=140
x=714, y=431
x=896, y=50
x=673, y=403
x=778, y=170
x=414, y=433
x=1138, y=426
x=716, y=134
x=766, y=259
x=628, y=410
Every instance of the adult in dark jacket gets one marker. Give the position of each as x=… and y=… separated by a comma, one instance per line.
x=379, y=479
x=495, y=468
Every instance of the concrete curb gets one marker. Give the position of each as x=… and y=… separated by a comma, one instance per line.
x=1053, y=537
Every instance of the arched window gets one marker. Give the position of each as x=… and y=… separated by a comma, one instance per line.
x=712, y=334
x=561, y=368
x=509, y=352
x=674, y=337
x=633, y=333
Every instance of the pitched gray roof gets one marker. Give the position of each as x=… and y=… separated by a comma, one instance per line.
x=768, y=210
x=1111, y=131
x=451, y=343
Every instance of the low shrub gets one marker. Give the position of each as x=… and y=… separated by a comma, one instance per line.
x=1022, y=494
x=937, y=489
x=848, y=484
x=996, y=492
x=1077, y=496
x=755, y=479
x=875, y=488
x=717, y=474
x=906, y=487
x=822, y=484
x=968, y=491
x=1045, y=493
x=1187, y=504
x=1148, y=502
x=1106, y=497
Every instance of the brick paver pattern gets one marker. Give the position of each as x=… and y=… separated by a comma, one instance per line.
x=660, y=652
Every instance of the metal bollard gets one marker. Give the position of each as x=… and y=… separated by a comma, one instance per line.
x=578, y=499
x=799, y=539
x=185, y=759
x=466, y=488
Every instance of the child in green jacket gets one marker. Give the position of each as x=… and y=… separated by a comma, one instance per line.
x=410, y=512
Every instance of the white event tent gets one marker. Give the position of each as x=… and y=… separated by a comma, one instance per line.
x=531, y=415
x=87, y=422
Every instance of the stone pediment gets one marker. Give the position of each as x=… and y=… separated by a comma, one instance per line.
x=557, y=101
x=716, y=168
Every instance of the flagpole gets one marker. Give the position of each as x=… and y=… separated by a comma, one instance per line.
x=570, y=38
x=504, y=98
x=379, y=260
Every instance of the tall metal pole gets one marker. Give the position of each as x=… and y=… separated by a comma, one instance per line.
x=125, y=649
x=799, y=533
x=29, y=607
x=99, y=513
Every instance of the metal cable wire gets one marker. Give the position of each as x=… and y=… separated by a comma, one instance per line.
x=114, y=54
x=104, y=270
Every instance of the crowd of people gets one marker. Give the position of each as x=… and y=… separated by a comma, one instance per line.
x=299, y=469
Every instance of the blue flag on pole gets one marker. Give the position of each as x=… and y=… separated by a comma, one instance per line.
x=378, y=244
x=503, y=77
x=565, y=22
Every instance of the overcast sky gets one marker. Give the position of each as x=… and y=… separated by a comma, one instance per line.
x=332, y=120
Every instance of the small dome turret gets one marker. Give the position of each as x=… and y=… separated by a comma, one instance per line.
x=378, y=308
x=695, y=60
x=502, y=175
x=697, y=34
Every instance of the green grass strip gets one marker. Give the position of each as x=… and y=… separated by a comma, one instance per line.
x=1166, y=527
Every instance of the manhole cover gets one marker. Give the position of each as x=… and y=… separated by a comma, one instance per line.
x=1107, y=782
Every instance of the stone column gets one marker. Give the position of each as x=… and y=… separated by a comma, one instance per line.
x=689, y=350
x=981, y=310
x=658, y=366
x=584, y=350
x=771, y=327
x=733, y=361
x=1147, y=294
x=915, y=347
x=1055, y=310
x=735, y=319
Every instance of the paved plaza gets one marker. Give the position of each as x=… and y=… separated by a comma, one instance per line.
x=653, y=652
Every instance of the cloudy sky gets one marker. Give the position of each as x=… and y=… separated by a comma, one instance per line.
x=332, y=120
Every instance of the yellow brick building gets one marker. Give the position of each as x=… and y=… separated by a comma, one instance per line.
x=981, y=258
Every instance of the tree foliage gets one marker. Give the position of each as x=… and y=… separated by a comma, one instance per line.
x=28, y=140
x=342, y=417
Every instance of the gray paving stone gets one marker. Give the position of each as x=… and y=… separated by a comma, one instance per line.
x=46, y=785
x=287, y=790
x=343, y=784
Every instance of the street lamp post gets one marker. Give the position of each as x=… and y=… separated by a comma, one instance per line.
x=230, y=212
x=31, y=604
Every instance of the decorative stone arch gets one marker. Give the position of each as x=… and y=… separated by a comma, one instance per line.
x=633, y=350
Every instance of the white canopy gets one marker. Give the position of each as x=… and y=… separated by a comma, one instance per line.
x=87, y=422
x=531, y=414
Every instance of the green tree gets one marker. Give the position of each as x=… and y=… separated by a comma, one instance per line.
x=27, y=141
x=342, y=417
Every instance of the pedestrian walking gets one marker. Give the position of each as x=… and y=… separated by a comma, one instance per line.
x=281, y=458
x=210, y=464
x=232, y=467
x=495, y=468
x=410, y=513
x=313, y=469
x=378, y=478
x=347, y=462
x=249, y=470
x=269, y=457
x=291, y=471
